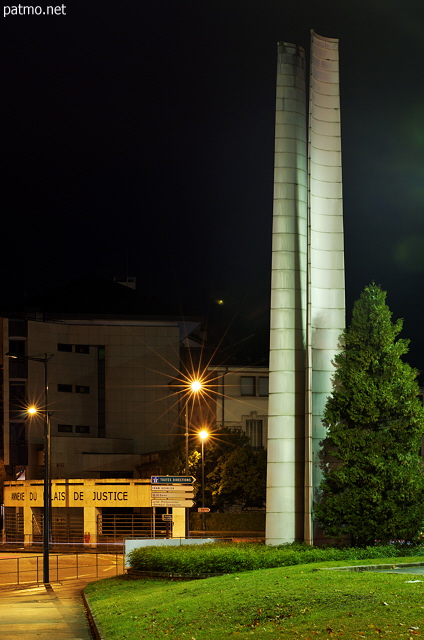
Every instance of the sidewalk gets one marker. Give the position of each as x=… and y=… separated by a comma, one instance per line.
x=37, y=613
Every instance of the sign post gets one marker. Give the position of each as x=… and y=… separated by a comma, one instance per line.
x=173, y=479
x=173, y=492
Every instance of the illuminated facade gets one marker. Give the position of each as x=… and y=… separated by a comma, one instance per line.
x=81, y=511
x=307, y=282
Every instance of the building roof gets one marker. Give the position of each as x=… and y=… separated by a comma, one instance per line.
x=93, y=297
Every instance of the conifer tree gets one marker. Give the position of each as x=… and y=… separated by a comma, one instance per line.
x=373, y=479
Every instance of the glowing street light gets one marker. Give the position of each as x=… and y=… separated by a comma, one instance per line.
x=196, y=385
x=192, y=388
x=33, y=410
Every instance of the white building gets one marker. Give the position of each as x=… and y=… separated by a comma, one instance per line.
x=242, y=400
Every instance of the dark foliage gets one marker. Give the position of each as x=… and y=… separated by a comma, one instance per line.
x=235, y=472
x=373, y=483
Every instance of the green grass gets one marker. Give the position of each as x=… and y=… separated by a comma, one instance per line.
x=300, y=601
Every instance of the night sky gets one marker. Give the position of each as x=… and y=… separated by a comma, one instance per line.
x=138, y=139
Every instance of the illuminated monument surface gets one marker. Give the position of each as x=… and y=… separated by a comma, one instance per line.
x=307, y=282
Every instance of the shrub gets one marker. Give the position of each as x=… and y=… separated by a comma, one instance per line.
x=212, y=558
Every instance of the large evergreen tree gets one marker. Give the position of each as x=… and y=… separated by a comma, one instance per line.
x=373, y=480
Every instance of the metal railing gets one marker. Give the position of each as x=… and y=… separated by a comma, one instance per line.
x=28, y=569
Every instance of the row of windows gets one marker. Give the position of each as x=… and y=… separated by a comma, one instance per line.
x=75, y=348
x=253, y=386
x=69, y=388
x=69, y=428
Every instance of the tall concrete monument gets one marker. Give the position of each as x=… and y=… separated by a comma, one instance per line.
x=307, y=282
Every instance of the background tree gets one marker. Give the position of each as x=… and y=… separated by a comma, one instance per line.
x=373, y=481
x=235, y=472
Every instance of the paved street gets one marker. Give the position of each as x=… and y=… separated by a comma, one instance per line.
x=42, y=614
x=35, y=612
x=25, y=568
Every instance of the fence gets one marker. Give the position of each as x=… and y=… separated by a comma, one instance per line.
x=68, y=527
x=27, y=569
x=113, y=527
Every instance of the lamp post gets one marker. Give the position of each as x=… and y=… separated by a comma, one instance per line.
x=194, y=386
x=191, y=387
x=44, y=358
x=203, y=435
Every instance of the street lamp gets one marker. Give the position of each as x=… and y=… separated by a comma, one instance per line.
x=193, y=387
x=44, y=358
x=203, y=435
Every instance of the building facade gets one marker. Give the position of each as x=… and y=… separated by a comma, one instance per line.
x=92, y=511
x=107, y=376
x=99, y=361
x=108, y=395
x=242, y=401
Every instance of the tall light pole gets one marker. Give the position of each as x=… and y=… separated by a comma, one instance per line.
x=44, y=358
x=191, y=388
x=203, y=435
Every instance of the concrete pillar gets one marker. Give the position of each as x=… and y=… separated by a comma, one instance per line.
x=288, y=303
x=178, y=519
x=90, y=526
x=307, y=282
x=27, y=525
x=327, y=282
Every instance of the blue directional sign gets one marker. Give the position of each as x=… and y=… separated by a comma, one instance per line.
x=172, y=479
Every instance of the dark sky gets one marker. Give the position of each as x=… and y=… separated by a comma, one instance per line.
x=138, y=138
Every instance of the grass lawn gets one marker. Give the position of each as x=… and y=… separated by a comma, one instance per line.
x=300, y=601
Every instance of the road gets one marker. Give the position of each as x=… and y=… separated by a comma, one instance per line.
x=27, y=568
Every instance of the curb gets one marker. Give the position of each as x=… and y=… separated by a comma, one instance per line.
x=91, y=618
x=172, y=575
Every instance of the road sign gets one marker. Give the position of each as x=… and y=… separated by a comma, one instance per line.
x=172, y=479
x=167, y=517
x=171, y=488
x=179, y=504
x=203, y=509
x=164, y=495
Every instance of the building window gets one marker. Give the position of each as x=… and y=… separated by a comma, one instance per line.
x=247, y=385
x=254, y=432
x=263, y=384
x=64, y=428
x=82, y=428
x=64, y=347
x=81, y=388
x=101, y=391
x=18, y=328
x=66, y=388
x=17, y=398
x=82, y=348
x=18, y=444
x=18, y=363
x=17, y=348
